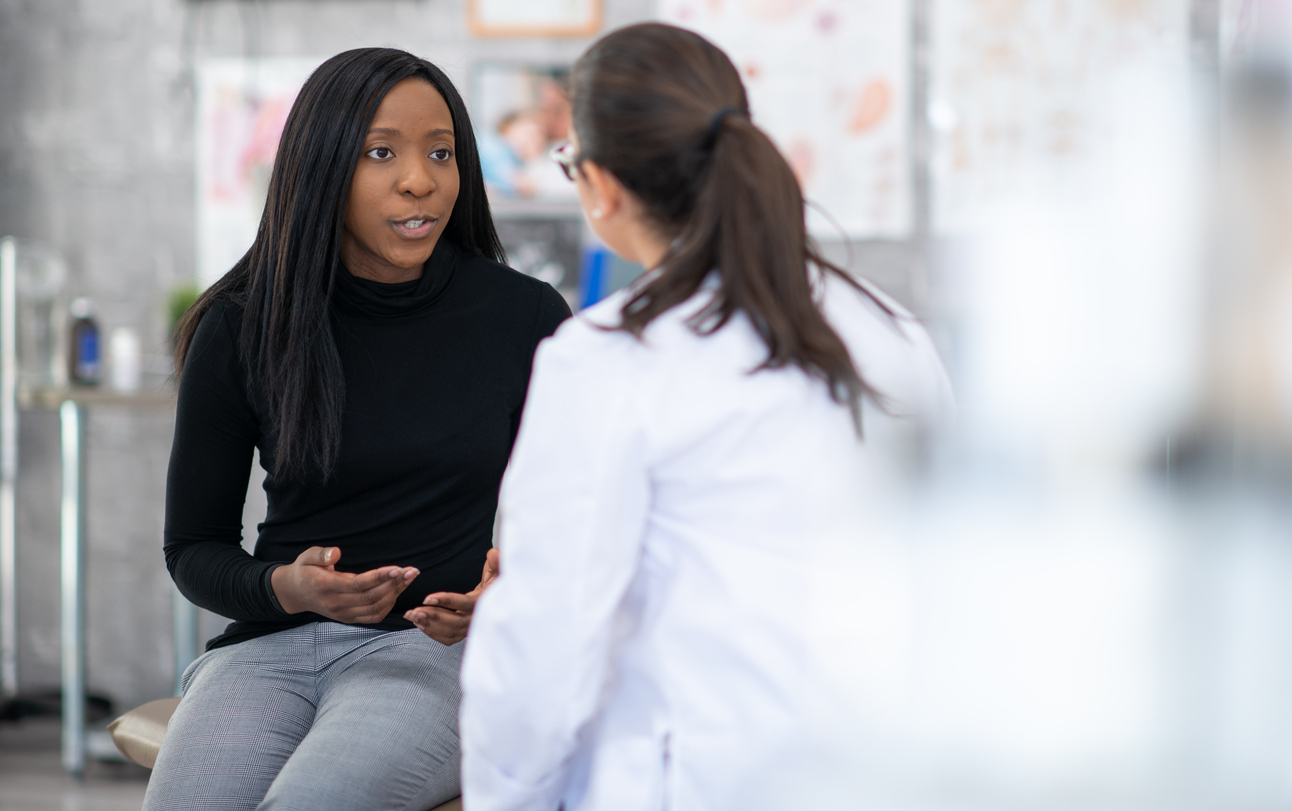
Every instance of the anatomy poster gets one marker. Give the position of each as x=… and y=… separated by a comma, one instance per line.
x=1027, y=98
x=242, y=105
x=829, y=81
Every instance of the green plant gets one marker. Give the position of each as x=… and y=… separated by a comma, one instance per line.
x=181, y=299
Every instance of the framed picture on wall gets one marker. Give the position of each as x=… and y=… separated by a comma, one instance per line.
x=520, y=112
x=534, y=18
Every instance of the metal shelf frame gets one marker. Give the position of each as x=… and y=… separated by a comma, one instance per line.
x=73, y=405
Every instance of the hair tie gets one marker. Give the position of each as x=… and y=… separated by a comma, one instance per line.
x=715, y=124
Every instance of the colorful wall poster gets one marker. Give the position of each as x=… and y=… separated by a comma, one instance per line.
x=242, y=105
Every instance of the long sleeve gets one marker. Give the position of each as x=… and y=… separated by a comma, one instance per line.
x=575, y=500
x=216, y=431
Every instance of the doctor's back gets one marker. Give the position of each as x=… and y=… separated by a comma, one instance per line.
x=683, y=485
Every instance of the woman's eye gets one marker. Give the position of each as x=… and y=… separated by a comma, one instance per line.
x=442, y=154
x=380, y=153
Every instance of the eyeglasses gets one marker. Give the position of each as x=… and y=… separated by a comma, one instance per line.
x=565, y=157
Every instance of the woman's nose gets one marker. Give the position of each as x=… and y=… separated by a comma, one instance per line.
x=417, y=179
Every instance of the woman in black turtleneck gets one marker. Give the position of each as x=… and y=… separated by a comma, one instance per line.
x=376, y=352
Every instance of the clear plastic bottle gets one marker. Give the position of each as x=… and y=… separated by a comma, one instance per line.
x=86, y=364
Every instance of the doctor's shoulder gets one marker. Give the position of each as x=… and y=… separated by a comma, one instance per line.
x=891, y=348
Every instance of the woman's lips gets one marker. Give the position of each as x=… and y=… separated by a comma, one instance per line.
x=414, y=229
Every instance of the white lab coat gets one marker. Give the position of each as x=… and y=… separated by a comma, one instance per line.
x=650, y=643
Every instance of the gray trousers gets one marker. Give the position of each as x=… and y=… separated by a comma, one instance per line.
x=322, y=717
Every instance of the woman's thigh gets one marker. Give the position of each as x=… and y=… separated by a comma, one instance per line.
x=238, y=724
x=385, y=735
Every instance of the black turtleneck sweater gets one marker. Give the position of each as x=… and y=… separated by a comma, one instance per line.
x=435, y=376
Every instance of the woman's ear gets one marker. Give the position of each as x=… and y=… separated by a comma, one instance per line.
x=606, y=193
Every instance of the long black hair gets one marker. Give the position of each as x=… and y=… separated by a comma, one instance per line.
x=285, y=281
x=664, y=111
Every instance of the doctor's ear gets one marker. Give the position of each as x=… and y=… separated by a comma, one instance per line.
x=607, y=193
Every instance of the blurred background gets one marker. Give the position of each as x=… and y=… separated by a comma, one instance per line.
x=1088, y=202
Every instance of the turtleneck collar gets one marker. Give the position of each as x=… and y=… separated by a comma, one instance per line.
x=378, y=300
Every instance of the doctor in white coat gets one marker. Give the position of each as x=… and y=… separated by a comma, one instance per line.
x=695, y=453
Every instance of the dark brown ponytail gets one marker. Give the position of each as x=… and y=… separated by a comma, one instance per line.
x=665, y=112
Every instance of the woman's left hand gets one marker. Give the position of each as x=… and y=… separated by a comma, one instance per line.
x=446, y=616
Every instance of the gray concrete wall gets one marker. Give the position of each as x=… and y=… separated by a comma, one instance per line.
x=97, y=160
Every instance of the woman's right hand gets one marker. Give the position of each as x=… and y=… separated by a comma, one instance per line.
x=312, y=583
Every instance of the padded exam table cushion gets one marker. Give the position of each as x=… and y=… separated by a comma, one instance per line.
x=139, y=733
